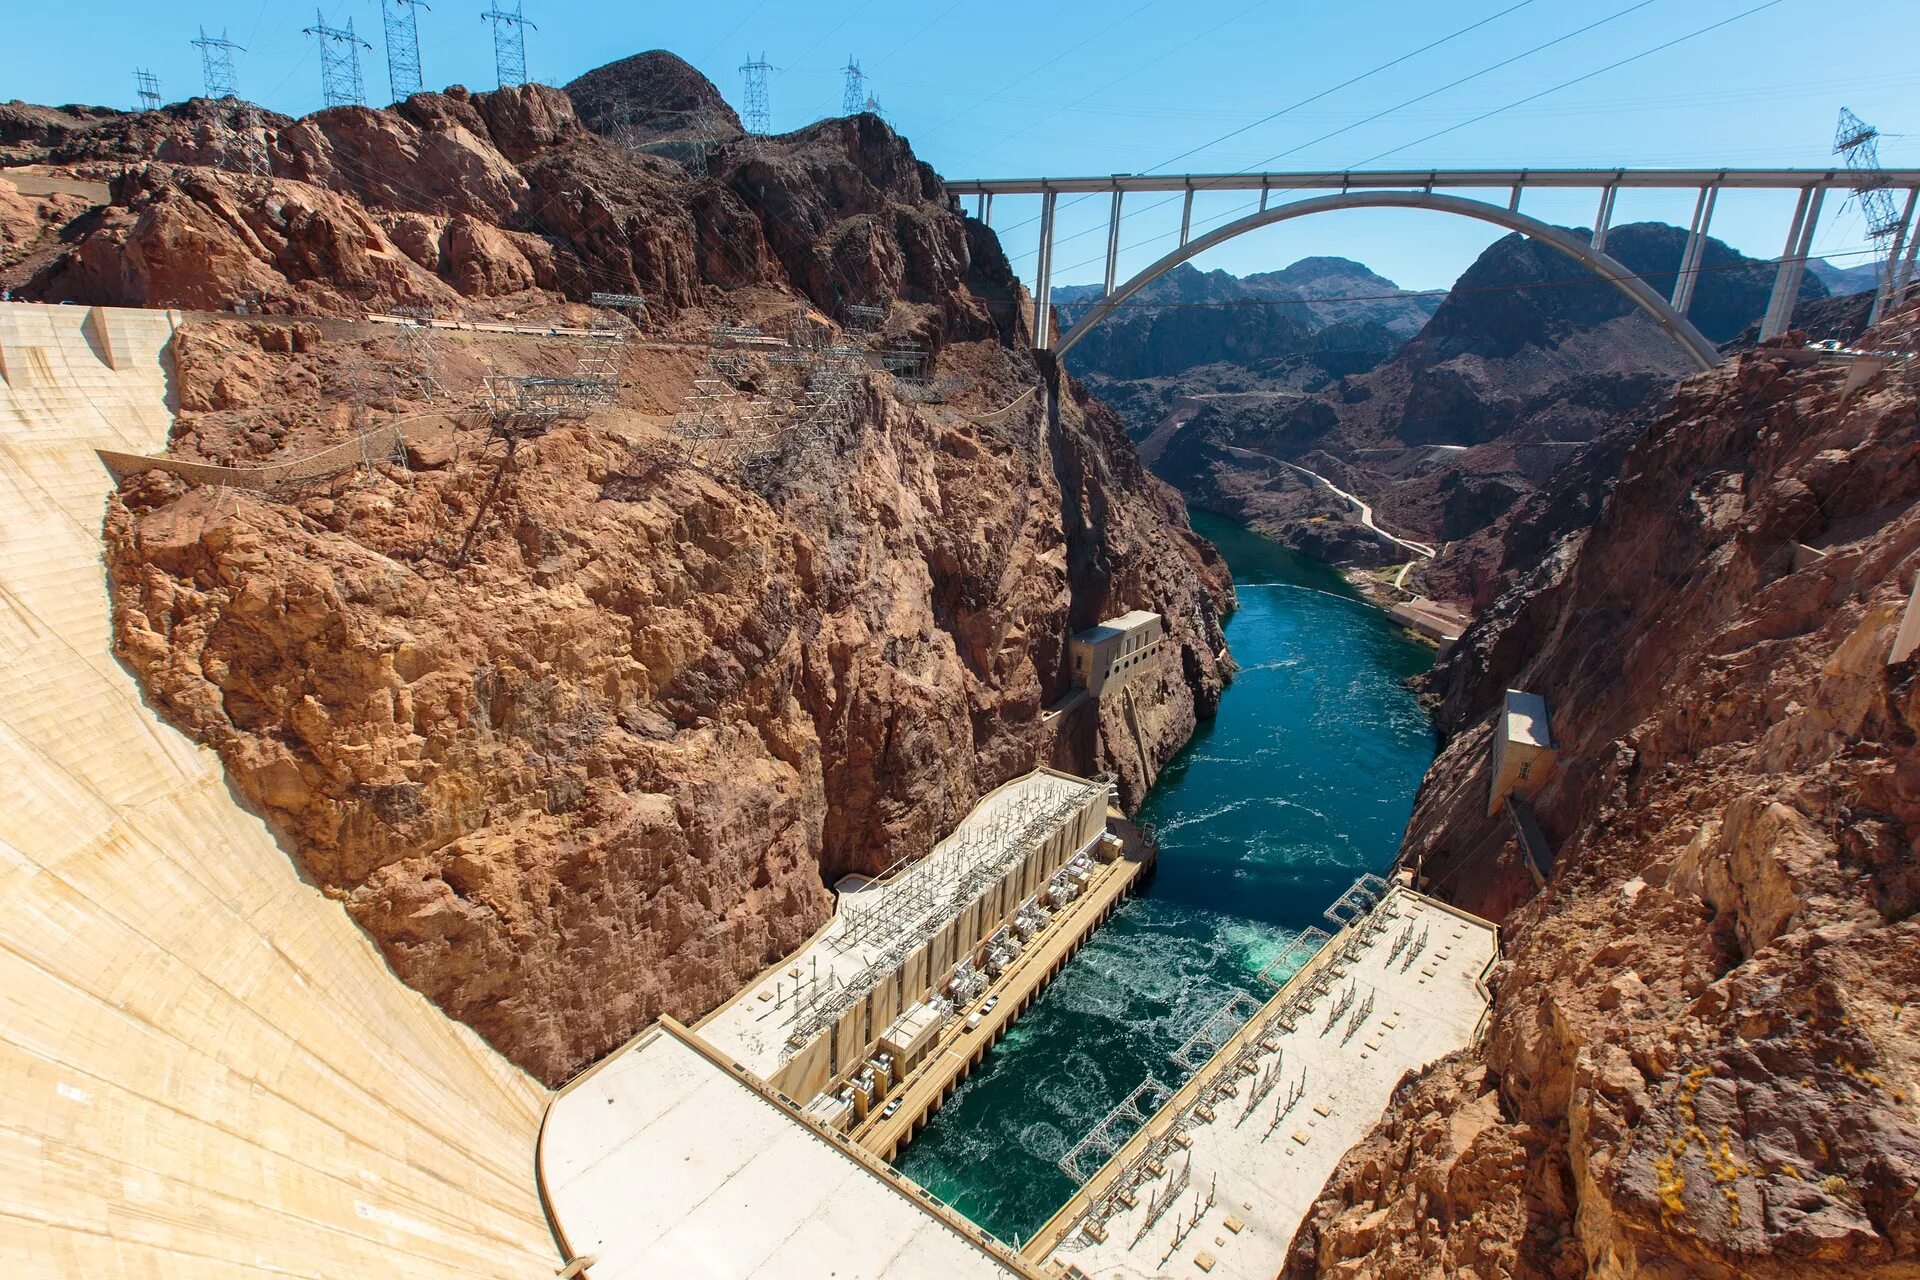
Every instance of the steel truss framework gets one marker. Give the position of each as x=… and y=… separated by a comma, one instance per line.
x=1111, y=1131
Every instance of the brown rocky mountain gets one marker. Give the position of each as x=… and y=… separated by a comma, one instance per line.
x=1697, y=1063
x=1527, y=359
x=606, y=765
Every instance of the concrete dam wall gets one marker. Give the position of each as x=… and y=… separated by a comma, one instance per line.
x=205, y=1068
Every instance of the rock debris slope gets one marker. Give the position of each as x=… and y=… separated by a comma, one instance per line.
x=606, y=766
x=1699, y=1061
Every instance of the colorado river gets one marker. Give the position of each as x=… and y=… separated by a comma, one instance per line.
x=1303, y=781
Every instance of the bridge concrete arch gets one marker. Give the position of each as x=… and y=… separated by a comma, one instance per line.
x=1608, y=268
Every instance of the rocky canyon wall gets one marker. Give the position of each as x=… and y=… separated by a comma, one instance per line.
x=604, y=763
x=1699, y=1061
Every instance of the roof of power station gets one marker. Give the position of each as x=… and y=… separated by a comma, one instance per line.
x=662, y=1161
x=872, y=916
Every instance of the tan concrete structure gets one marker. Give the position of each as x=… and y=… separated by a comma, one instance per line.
x=1523, y=750
x=1221, y=1176
x=205, y=1069
x=664, y=1161
x=818, y=1017
x=1112, y=650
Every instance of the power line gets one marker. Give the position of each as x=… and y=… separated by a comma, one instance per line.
x=1487, y=115
x=1385, y=66
x=1023, y=78
x=1308, y=101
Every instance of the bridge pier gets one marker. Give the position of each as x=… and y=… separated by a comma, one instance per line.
x=1113, y=238
x=1603, y=217
x=1043, y=277
x=1186, y=216
x=1689, y=276
x=1793, y=263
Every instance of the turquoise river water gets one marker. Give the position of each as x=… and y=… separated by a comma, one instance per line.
x=1304, y=780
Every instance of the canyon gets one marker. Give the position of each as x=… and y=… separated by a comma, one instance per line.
x=1697, y=1063
x=1443, y=413
x=581, y=725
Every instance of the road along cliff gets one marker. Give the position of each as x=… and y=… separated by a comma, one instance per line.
x=1699, y=1061
x=581, y=732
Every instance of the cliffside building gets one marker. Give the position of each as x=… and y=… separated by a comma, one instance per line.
x=852, y=1012
x=1114, y=648
x=1523, y=750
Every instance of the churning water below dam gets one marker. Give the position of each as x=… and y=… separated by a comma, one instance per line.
x=1304, y=780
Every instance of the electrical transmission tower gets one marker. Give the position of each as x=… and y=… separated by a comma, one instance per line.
x=149, y=86
x=403, y=46
x=216, y=64
x=1858, y=143
x=509, y=43
x=339, y=62
x=756, y=111
x=854, y=100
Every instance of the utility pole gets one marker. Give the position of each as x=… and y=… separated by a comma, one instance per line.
x=756, y=111
x=340, y=84
x=403, y=46
x=149, y=88
x=216, y=64
x=854, y=100
x=509, y=43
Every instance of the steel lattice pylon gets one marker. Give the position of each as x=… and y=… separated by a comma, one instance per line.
x=340, y=84
x=509, y=43
x=756, y=103
x=216, y=64
x=148, y=86
x=403, y=46
x=853, y=101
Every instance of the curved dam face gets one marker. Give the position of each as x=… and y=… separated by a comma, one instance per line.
x=205, y=1068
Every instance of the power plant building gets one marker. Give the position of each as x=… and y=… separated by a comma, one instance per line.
x=855, y=1010
x=1523, y=750
x=1114, y=648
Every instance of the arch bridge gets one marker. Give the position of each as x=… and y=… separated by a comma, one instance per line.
x=1321, y=192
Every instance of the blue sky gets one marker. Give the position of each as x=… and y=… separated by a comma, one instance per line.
x=989, y=88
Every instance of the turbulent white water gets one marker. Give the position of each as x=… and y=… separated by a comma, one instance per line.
x=1303, y=781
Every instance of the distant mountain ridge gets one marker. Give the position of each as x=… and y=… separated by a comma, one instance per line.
x=1528, y=357
x=1190, y=317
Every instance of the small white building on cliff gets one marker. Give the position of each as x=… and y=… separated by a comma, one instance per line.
x=1114, y=648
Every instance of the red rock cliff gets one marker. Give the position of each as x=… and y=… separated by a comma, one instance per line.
x=1699, y=1061
x=607, y=766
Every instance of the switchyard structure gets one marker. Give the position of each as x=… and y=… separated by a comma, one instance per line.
x=401, y=21
x=510, y=29
x=147, y=85
x=1216, y=1176
x=340, y=82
